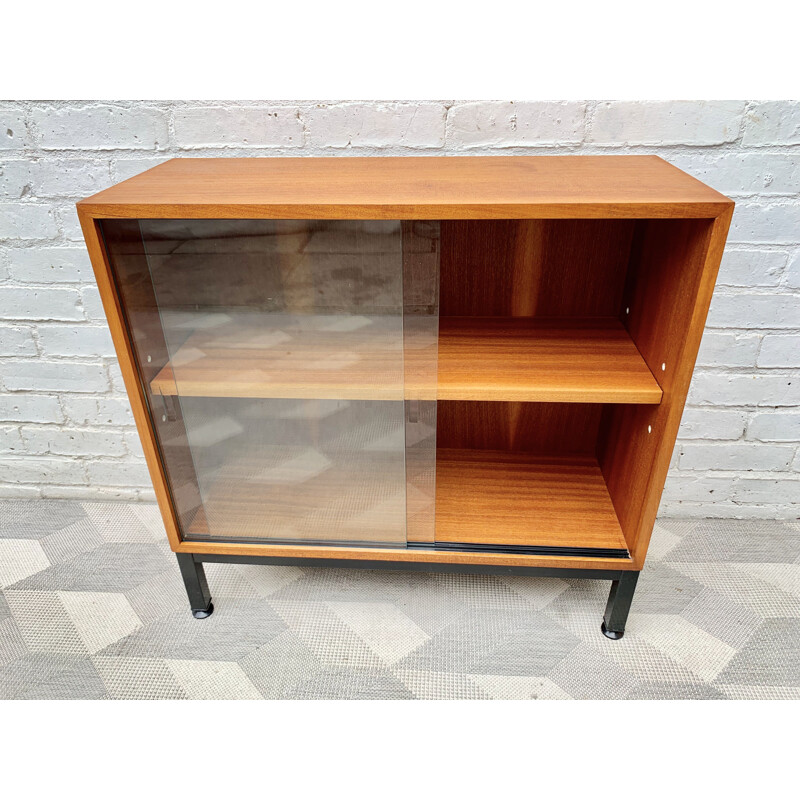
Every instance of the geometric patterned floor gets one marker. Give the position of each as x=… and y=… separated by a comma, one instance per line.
x=92, y=606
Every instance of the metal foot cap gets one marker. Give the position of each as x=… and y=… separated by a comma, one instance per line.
x=611, y=634
x=203, y=613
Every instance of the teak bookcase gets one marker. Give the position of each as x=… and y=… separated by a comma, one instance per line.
x=451, y=364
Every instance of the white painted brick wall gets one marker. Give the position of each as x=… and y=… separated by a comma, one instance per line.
x=779, y=351
x=14, y=134
x=66, y=429
x=792, y=280
x=774, y=427
x=217, y=126
x=378, y=125
x=665, y=123
x=516, y=124
x=99, y=126
x=749, y=267
x=772, y=123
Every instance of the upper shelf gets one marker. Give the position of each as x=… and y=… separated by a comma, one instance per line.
x=473, y=187
x=562, y=360
x=362, y=358
x=249, y=354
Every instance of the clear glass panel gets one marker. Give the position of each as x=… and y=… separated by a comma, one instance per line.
x=272, y=355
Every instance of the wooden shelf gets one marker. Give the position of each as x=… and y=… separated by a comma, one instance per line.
x=479, y=358
x=290, y=356
x=493, y=497
x=483, y=497
x=301, y=495
x=541, y=360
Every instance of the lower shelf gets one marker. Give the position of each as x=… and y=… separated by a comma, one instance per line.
x=491, y=498
x=486, y=500
x=276, y=495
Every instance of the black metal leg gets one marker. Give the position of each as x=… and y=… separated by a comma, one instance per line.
x=194, y=578
x=619, y=604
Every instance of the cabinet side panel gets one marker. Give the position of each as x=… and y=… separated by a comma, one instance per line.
x=671, y=278
x=113, y=307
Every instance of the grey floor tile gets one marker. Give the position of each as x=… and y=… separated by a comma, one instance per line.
x=35, y=519
x=442, y=685
x=335, y=644
x=737, y=691
x=679, y=527
x=675, y=691
x=494, y=642
x=644, y=661
x=742, y=587
x=770, y=658
x=716, y=614
x=733, y=623
x=79, y=537
x=45, y=624
x=236, y=628
x=138, y=679
x=663, y=590
x=12, y=645
x=481, y=591
x=772, y=541
x=321, y=585
x=355, y=684
x=715, y=540
x=580, y=608
x=431, y=608
x=227, y=581
x=532, y=647
x=281, y=665
x=116, y=523
x=518, y=687
x=108, y=568
x=159, y=596
x=589, y=675
x=51, y=677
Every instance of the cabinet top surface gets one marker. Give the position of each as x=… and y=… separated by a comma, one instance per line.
x=471, y=187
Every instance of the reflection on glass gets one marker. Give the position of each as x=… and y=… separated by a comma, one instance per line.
x=290, y=367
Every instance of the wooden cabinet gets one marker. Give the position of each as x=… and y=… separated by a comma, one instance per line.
x=464, y=364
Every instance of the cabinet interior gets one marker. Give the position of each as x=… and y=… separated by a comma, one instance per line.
x=534, y=404
x=559, y=455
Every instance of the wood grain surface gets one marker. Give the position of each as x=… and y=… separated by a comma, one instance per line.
x=623, y=249
x=567, y=360
x=532, y=267
x=496, y=497
x=474, y=187
x=479, y=358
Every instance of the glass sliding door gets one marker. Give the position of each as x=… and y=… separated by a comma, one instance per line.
x=273, y=354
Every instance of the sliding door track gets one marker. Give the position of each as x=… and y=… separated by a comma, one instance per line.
x=519, y=549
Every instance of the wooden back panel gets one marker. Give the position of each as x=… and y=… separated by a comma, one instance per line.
x=546, y=429
x=527, y=268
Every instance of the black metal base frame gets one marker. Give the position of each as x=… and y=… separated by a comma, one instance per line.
x=623, y=582
x=194, y=578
